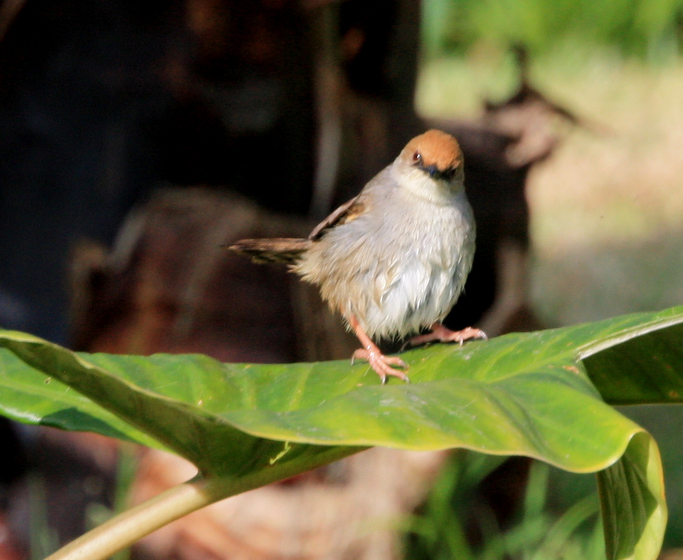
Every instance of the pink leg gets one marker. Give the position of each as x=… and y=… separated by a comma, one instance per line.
x=439, y=333
x=378, y=361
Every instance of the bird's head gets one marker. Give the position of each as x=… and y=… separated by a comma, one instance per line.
x=430, y=160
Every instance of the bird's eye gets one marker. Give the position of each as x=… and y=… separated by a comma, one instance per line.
x=417, y=157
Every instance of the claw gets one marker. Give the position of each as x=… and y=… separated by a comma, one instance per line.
x=381, y=364
x=439, y=333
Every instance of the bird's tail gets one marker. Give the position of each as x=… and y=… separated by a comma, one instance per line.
x=276, y=250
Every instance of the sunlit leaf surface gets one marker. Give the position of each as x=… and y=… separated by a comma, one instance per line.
x=530, y=394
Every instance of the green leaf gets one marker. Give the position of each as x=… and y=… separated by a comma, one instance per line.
x=638, y=365
x=521, y=394
x=166, y=401
x=632, y=498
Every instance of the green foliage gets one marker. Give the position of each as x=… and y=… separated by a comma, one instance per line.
x=644, y=28
x=43, y=538
x=453, y=510
x=246, y=425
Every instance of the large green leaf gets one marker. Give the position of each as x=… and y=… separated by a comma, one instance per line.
x=520, y=394
x=639, y=364
x=631, y=494
x=28, y=396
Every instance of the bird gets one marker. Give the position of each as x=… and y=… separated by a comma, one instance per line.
x=393, y=260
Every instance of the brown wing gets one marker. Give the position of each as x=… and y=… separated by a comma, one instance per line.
x=347, y=212
x=289, y=250
x=279, y=250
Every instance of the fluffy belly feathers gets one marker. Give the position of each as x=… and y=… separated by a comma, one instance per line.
x=393, y=297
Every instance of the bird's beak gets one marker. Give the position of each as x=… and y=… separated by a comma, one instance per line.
x=436, y=173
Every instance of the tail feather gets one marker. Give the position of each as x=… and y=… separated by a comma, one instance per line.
x=276, y=250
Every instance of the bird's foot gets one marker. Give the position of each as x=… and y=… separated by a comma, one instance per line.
x=439, y=333
x=381, y=364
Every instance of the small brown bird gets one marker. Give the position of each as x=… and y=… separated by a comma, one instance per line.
x=394, y=259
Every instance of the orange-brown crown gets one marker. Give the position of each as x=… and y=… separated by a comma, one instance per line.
x=433, y=148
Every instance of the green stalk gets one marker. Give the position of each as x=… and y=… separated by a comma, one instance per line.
x=130, y=526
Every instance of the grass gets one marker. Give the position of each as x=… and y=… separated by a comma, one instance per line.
x=538, y=531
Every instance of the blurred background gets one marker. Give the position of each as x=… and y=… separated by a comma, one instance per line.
x=137, y=138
